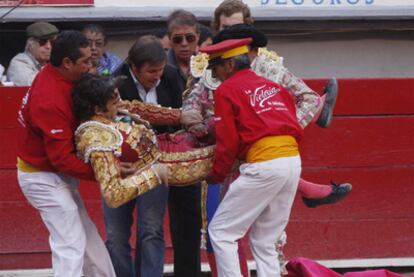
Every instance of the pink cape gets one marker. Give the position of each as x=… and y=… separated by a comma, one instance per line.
x=302, y=267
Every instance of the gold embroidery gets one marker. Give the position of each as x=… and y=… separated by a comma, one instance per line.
x=198, y=64
x=95, y=136
x=188, y=173
x=99, y=142
x=102, y=142
x=115, y=190
x=188, y=156
x=204, y=191
x=190, y=167
x=143, y=141
x=269, y=53
x=188, y=87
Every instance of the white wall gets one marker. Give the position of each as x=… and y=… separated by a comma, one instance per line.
x=321, y=58
x=351, y=58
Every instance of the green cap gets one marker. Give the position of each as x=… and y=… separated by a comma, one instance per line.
x=41, y=30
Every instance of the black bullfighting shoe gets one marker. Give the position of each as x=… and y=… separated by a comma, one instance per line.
x=339, y=191
x=331, y=93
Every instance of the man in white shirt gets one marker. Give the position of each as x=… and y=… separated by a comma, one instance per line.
x=149, y=80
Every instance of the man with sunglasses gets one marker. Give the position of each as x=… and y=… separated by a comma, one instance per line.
x=184, y=33
x=25, y=66
x=184, y=202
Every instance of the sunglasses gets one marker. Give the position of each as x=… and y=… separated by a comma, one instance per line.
x=43, y=42
x=179, y=38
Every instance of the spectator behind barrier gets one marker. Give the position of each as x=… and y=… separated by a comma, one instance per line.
x=25, y=66
x=103, y=62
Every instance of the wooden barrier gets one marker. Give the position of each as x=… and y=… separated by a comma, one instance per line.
x=369, y=145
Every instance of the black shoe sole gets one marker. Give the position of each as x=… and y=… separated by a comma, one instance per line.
x=331, y=92
x=330, y=199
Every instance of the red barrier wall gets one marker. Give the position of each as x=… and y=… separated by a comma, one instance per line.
x=369, y=144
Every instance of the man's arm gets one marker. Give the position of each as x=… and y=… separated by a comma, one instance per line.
x=227, y=138
x=158, y=115
x=193, y=95
x=154, y=114
x=198, y=99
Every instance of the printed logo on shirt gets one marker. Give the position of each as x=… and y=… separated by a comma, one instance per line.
x=263, y=99
x=55, y=131
x=261, y=95
x=217, y=118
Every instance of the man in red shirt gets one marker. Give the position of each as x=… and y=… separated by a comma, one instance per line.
x=255, y=122
x=48, y=167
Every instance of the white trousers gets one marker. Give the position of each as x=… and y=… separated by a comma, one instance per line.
x=260, y=198
x=77, y=248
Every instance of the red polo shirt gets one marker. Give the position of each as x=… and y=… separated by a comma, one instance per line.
x=47, y=124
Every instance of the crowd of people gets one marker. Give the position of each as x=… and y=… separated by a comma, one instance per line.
x=90, y=115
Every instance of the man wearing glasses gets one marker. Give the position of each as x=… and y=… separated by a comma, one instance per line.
x=184, y=202
x=25, y=66
x=183, y=32
x=103, y=62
